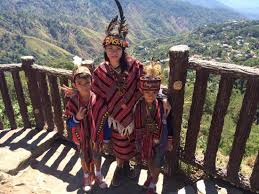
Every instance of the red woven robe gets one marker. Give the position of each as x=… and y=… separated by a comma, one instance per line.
x=86, y=128
x=147, y=136
x=119, y=104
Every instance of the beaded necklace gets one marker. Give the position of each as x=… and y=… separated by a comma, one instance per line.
x=120, y=79
x=150, y=123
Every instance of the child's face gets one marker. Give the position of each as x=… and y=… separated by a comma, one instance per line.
x=150, y=96
x=83, y=85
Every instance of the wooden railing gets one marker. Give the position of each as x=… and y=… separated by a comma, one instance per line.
x=43, y=86
x=45, y=99
x=179, y=64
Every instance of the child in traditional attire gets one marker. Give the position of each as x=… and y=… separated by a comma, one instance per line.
x=151, y=130
x=80, y=119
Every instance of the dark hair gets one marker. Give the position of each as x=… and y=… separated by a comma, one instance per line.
x=123, y=60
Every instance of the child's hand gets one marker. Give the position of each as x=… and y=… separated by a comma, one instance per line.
x=167, y=107
x=67, y=90
x=170, y=145
x=95, y=147
x=81, y=113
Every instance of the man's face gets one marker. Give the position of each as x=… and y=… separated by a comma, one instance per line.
x=150, y=96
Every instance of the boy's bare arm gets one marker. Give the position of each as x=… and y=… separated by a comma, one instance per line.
x=67, y=90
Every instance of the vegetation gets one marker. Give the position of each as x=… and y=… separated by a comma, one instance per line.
x=232, y=42
x=48, y=29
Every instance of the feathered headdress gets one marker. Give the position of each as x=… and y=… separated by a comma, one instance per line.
x=152, y=79
x=118, y=37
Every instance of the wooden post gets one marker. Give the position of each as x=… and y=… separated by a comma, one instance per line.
x=243, y=129
x=27, y=62
x=7, y=101
x=255, y=175
x=217, y=122
x=56, y=103
x=198, y=99
x=45, y=97
x=179, y=56
x=21, y=99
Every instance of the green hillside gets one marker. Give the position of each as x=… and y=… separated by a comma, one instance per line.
x=77, y=26
x=233, y=42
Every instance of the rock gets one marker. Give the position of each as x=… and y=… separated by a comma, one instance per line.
x=10, y=159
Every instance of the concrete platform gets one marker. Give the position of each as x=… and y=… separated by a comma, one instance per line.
x=19, y=146
x=38, y=162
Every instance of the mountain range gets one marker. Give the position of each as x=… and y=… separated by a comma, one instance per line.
x=52, y=30
x=247, y=8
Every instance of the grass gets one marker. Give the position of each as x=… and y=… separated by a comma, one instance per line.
x=44, y=47
x=94, y=38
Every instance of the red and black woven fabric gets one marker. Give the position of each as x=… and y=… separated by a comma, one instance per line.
x=86, y=129
x=145, y=136
x=119, y=93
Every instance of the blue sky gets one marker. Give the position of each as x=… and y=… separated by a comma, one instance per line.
x=239, y=4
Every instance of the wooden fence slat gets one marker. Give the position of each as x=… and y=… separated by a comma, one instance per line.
x=255, y=175
x=178, y=70
x=21, y=99
x=56, y=103
x=243, y=128
x=64, y=81
x=45, y=97
x=198, y=99
x=7, y=101
x=217, y=122
x=27, y=62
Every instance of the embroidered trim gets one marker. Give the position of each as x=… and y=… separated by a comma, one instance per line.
x=105, y=116
x=122, y=130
